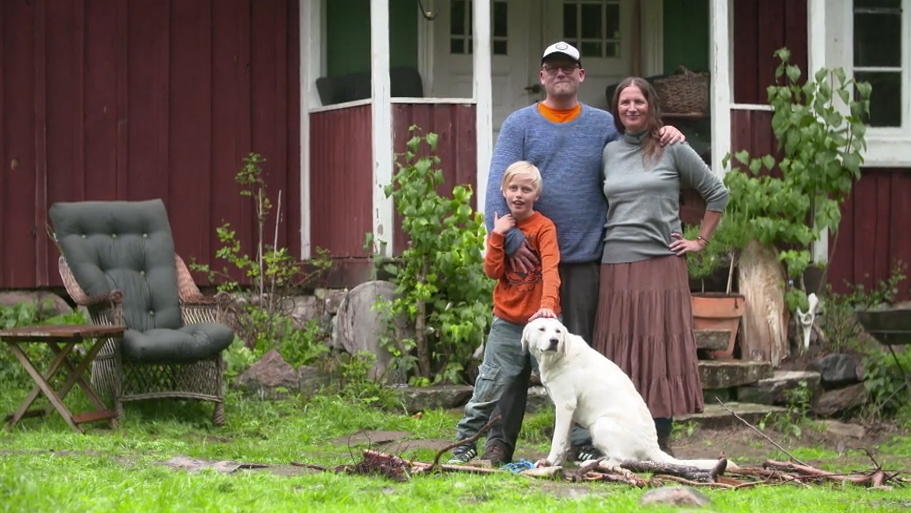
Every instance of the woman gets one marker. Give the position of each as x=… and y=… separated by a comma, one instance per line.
x=644, y=321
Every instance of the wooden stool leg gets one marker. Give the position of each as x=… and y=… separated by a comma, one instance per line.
x=58, y=360
x=45, y=387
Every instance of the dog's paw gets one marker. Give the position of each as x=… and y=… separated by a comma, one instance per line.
x=542, y=463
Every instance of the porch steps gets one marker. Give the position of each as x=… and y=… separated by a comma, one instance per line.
x=718, y=374
x=715, y=416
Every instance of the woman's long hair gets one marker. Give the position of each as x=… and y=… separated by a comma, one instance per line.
x=650, y=147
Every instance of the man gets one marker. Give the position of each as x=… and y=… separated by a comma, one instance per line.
x=564, y=139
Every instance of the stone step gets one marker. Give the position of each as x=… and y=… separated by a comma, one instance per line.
x=715, y=416
x=732, y=373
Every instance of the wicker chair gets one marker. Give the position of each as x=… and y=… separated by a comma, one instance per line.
x=118, y=261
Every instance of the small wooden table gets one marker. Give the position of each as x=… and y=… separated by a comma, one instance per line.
x=62, y=340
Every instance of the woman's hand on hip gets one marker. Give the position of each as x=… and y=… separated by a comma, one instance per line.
x=681, y=246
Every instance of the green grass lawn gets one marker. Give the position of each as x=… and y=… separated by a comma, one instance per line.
x=46, y=467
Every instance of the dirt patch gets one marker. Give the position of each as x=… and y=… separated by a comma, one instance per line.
x=745, y=446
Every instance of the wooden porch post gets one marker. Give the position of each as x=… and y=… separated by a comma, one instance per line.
x=722, y=86
x=483, y=96
x=381, y=110
x=816, y=58
x=309, y=68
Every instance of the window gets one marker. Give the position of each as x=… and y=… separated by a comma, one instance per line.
x=460, y=27
x=593, y=27
x=878, y=57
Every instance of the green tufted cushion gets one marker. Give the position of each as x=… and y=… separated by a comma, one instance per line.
x=127, y=245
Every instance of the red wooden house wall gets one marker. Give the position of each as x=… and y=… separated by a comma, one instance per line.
x=871, y=235
x=133, y=100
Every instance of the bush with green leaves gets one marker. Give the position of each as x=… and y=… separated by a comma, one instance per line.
x=262, y=311
x=441, y=288
x=28, y=314
x=819, y=126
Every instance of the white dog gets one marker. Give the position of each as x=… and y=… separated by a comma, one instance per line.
x=591, y=390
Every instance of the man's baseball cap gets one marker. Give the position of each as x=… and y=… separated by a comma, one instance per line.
x=562, y=48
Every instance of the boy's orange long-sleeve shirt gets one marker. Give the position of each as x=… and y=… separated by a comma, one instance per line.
x=519, y=295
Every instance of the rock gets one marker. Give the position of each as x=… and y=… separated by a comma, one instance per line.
x=331, y=299
x=271, y=372
x=844, y=429
x=305, y=308
x=840, y=399
x=675, y=496
x=724, y=374
x=775, y=390
x=433, y=397
x=538, y=400
x=48, y=303
x=358, y=326
x=311, y=379
x=838, y=370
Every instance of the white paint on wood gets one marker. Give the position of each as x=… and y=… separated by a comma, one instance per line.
x=722, y=86
x=381, y=108
x=483, y=95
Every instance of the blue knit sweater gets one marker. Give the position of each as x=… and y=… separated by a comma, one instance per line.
x=569, y=157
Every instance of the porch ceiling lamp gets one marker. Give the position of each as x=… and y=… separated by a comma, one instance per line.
x=427, y=14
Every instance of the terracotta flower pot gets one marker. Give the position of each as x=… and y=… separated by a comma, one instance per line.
x=718, y=311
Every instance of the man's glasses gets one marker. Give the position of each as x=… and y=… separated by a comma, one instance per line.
x=567, y=69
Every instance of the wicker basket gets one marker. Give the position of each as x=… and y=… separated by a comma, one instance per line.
x=683, y=92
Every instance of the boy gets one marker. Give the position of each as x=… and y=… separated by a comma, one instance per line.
x=517, y=298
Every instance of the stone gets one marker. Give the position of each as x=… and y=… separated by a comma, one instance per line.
x=538, y=400
x=831, y=402
x=48, y=303
x=675, y=496
x=838, y=370
x=732, y=373
x=712, y=339
x=269, y=373
x=417, y=399
x=776, y=389
x=359, y=327
x=331, y=299
x=844, y=429
x=305, y=308
x=715, y=416
x=311, y=379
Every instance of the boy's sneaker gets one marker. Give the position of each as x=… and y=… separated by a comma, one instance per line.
x=462, y=455
x=586, y=453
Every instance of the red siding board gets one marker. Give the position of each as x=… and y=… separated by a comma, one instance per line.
x=116, y=99
x=101, y=108
x=745, y=51
x=148, y=60
x=341, y=191
x=19, y=130
x=190, y=129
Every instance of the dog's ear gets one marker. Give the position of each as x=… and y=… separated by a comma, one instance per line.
x=525, y=333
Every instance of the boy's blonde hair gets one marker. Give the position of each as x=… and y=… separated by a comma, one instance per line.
x=522, y=167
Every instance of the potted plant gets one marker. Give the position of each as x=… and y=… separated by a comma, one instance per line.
x=773, y=218
x=716, y=314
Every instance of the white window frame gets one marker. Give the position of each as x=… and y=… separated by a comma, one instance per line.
x=886, y=146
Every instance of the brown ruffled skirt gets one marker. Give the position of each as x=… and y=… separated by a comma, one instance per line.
x=645, y=325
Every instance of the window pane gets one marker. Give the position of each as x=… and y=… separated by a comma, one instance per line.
x=499, y=19
x=570, y=30
x=591, y=50
x=591, y=21
x=499, y=47
x=885, y=100
x=894, y=4
x=457, y=18
x=613, y=50
x=456, y=46
x=877, y=38
x=612, y=21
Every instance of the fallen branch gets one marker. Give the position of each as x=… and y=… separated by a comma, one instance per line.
x=756, y=429
x=685, y=471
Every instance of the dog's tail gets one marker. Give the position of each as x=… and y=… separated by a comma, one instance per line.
x=716, y=467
